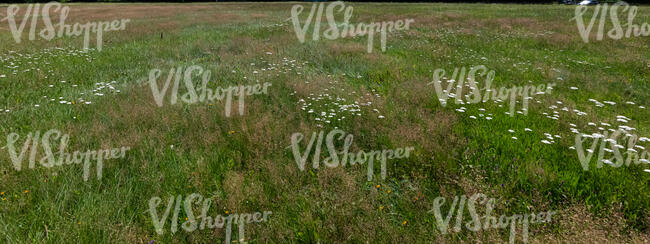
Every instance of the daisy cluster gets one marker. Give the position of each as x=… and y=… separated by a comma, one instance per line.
x=15, y=63
x=326, y=108
x=281, y=24
x=100, y=89
x=559, y=112
x=620, y=122
x=275, y=69
x=18, y=65
x=482, y=113
x=600, y=129
x=465, y=54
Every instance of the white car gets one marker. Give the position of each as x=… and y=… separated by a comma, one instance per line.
x=588, y=2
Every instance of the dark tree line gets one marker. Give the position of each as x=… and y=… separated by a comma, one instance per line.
x=402, y=1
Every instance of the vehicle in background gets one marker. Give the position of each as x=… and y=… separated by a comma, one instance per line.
x=588, y=2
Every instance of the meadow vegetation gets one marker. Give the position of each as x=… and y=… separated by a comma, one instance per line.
x=244, y=162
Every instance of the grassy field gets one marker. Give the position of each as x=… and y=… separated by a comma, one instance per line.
x=244, y=163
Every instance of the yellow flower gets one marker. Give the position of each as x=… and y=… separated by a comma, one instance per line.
x=378, y=186
x=4, y=199
x=185, y=218
x=404, y=223
x=26, y=191
x=232, y=132
x=2, y=193
x=388, y=191
x=226, y=211
x=381, y=207
x=79, y=222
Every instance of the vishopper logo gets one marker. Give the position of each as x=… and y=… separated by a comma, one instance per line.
x=202, y=93
x=490, y=221
x=49, y=32
x=347, y=29
x=461, y=75
x=617, y=32
x=352, y=158
x=49, y=160
x=618, y=159
x=191, y=223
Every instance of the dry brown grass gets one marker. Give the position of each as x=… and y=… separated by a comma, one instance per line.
x=578, y=225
